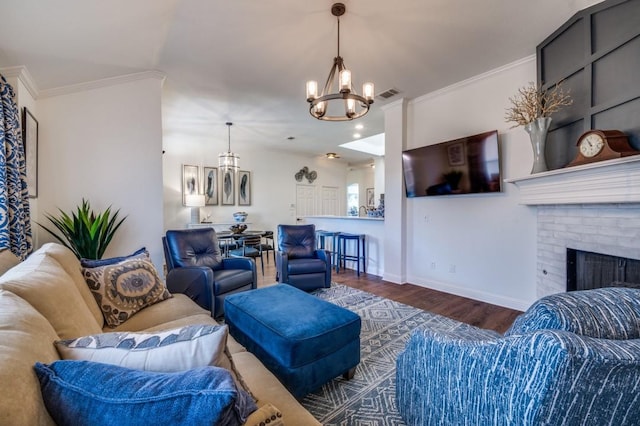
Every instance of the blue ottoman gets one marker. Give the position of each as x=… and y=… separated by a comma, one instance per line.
x=304, y=341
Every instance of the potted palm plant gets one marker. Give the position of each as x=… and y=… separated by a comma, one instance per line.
x=84, y=232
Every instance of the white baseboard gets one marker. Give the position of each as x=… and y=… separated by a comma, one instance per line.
x=494, y=299
x=392, y=278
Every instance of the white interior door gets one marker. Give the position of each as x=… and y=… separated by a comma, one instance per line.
x=305, y=200
x=330, y=201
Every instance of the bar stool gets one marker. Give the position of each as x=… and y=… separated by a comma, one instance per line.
x=323, y=239
x=343, y=256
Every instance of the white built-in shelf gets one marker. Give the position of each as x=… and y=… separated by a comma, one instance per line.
x=611, y=181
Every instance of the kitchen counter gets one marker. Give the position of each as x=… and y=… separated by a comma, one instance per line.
x=372, y=227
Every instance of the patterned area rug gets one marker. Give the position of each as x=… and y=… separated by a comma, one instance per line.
x=369, y=398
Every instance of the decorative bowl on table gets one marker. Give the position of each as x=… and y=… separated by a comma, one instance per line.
x=238, y=228
x=240, y=217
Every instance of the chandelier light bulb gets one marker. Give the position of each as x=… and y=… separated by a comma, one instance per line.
x=368, y=91
x=351, y=107
x=345, y=81
x=320, y=108
x=312, y=90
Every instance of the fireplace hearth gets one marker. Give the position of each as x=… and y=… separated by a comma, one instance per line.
x=587, y=270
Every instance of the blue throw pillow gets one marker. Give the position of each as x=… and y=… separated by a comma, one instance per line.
x=90, y=393
x=91, y=263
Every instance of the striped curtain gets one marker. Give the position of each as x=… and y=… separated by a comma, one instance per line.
x=15, y=218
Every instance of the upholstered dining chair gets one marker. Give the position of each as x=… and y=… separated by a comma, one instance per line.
x=249, y=246
x=195, y=267
x=298, y=262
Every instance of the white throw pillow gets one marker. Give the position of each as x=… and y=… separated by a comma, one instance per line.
x=163, y=351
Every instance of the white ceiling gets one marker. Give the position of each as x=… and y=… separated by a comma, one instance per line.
x=247, y=61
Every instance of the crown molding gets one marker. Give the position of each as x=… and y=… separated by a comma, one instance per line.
x=474, y=79
x=105, y=82
x=395, y=104
x=22, y=73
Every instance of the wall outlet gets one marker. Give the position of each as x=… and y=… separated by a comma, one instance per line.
x=433, y=265
x=452, y=268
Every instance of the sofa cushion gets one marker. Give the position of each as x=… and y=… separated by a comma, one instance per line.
x=162, y=316
x=88, y=393
x=7, y=260
x=170, y=350
x=42, y=282
x=267, y=388
x=70, y=263
x=124, y=288
x=25, y=337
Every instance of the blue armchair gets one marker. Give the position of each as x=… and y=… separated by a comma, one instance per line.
x=572, y=358
x=196, y=268
x=298, y=263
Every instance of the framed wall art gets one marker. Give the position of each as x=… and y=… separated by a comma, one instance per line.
x=30, y=142
x=244, y=188
x=190, y=181
x=210, y=185
x=227, y=187
x=371, y=202
x=455, y=152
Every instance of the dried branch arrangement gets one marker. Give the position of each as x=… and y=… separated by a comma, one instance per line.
x=532, y=102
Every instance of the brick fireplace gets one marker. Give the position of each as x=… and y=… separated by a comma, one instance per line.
x=612, y=229
x=594, y=208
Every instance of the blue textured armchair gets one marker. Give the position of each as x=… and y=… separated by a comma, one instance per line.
x=196, y=268
x=298, y=263
x=572, y=358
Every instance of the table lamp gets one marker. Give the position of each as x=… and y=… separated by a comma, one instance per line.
x=195, y=201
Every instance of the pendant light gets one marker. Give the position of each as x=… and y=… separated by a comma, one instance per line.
x=228, y=161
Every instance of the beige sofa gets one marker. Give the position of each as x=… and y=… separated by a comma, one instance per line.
x=45, y=298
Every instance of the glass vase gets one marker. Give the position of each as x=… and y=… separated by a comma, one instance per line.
x=537, y=130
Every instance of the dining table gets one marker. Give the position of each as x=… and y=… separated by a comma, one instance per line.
x=228, y=240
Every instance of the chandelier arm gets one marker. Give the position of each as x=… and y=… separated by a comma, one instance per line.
x=332, y=75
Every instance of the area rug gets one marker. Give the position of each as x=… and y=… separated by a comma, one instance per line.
x=369, y=398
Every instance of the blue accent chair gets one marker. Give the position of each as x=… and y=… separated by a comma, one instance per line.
x=298, y=262
x=195, y=267
x=572, y=358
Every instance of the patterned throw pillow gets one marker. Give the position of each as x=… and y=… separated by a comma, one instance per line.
x=124, y=288
x=178, y=349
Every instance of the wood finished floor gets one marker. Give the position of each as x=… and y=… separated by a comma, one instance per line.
x=479, y=314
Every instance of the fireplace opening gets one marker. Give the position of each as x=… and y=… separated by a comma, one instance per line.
x=587, y=270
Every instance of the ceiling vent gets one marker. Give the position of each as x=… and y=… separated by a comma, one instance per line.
x=388, y=94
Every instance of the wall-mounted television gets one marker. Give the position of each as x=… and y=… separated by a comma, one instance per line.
x=469, y=165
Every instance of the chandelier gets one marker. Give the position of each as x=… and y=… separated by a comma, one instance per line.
x=353, y=105
x=228, y=160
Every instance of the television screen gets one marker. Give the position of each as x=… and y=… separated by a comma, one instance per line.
x=463, y=166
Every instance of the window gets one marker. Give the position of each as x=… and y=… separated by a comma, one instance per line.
x=353, y=199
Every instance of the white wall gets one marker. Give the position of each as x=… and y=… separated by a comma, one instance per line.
x=479, y=246
x=273, y=183
x=105, y=144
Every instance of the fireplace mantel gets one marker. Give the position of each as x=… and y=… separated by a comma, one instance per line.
x=611, y=181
